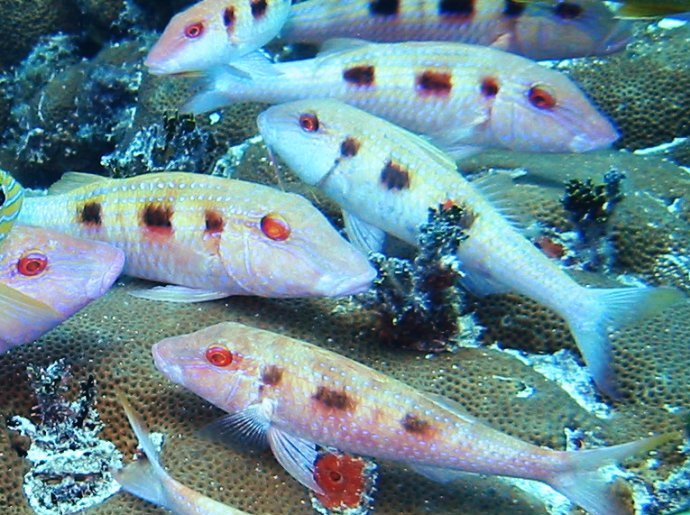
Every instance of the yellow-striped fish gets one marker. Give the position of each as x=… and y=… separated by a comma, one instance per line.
x=11, y=197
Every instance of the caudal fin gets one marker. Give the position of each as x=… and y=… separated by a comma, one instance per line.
x=612, y=309
x=586, y=487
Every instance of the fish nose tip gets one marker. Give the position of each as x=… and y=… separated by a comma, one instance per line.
x=338, y=284
x=163, y=363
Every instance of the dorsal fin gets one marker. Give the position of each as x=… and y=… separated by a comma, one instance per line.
x=494, y=187
x=73, y=180
x=336, y=45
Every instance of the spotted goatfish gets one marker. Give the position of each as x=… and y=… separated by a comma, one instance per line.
x=294, y=395
x=538, y=30
x=214, y=33
x=213, y=237
x=11, y=197
x=464, y=97
x=46, y=277
x=146, y=478
x=385, y=179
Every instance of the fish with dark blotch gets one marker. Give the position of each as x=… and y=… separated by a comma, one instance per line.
x=146, y=478
x=213, y=237
x=295, y=395
x=11, y=198
x=538, y=30
x=387, y=187
x=636, y=9
x=214, y=33
x=46, y=277
x=463, y=97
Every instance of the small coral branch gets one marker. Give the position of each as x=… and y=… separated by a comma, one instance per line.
x=71, y=465
x=419, y=304
x=589, y=208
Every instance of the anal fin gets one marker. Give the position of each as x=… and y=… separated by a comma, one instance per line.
x=174, y=293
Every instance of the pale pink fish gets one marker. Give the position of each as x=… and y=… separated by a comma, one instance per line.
x=296, y=395
x=46, y=277
x=213, y=237
x=147, y=479
x=385, y=179
x=215, y=32
x=463, y=97
x=538, y=30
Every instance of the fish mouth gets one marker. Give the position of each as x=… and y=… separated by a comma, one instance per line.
x=172, y=372
x=337, y=285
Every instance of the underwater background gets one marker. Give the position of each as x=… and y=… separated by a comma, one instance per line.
x=74, y=96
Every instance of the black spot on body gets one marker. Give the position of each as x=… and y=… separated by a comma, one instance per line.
x=360, y=75
x=489, y=87
x=271, y=375
x=451, y=8
x=258, y=8
x=157, y=216
x=413, y=424
x=229, y=17
x=349, y=147
x=395, y=177
x=567, y=10
x=91, y=214
x=2, y=197
x=214, y=222
x=334, y=399
x=513, y=8
x=432, y=83
x=384, y=7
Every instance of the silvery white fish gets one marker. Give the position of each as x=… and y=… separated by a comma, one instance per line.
x=538, y=30
x=385, y=179
x=213, y=237
x=464, y=97
x=215, y=32
x=46, y=277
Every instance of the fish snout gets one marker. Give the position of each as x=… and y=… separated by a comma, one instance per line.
x=600, y=134
x=163, y=358
x=339, y=284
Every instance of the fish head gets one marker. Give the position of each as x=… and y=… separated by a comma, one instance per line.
x=216, y=363
x=61, y=271
x=540, y=110
x=569, y=28
x=284, y=247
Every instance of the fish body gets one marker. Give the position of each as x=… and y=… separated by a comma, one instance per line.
x=296, y=395
x=463, y=97
x=386, y=179
x=46, y=277
x=215, y=237
x=11, y=198
x=538, y=30
x=215, y=32
x=147, y=479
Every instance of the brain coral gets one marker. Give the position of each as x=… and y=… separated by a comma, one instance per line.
x=645, y=89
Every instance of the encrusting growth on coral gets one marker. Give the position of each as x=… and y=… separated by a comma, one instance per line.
x=420, y=304
x=71, y=465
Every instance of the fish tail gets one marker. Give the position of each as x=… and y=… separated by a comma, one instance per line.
x=612, y=309
x=144, y=477
x=584, y=485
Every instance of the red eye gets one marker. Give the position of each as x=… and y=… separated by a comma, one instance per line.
x=218, y=356
x=275, y=227
x=541, y=98
x=194, y=30
x=309, y=122
x=32, y=264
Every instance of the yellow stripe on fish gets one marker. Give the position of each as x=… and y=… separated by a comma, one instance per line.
x=11, y=198
x=213, y=237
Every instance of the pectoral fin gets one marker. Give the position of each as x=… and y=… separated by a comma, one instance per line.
x=363, y=235
x=23, y=318
x=174, y=293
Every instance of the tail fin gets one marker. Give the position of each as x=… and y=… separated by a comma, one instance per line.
x=145, y=477
x=586, y=487
x=613, y=308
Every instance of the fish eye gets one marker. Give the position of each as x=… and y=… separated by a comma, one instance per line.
x=275, y=227
x=541, y=98
x=219, y=356
x=32, y=264
x=567, y=10
x=194, y=30
x=309, y=122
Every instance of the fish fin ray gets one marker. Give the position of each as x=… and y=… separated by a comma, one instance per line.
x=253, y=66
x=338, y=45
x=437, y=474
x=482, y=285
x=247, y=428
x=494, y=187
x=20, y=310
x=74, y=180
x=176, y=293
x=364, y=236
x=453, y=406
x=296, y=455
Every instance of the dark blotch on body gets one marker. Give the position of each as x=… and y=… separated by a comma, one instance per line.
x=463, y=8
x=334, y=399
x=413, y=424
x=271, y=375
x=91, y=214
x=229, y=17
x=214, y=222
x=258, y=8
x=349, y=147
x=489, y=87
x=384, y=7
x=360, y=75
x=431, y=83
x=567, y=10
x=2, y=197
x=395, y=177
x=513, y=9
x=157, y=216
